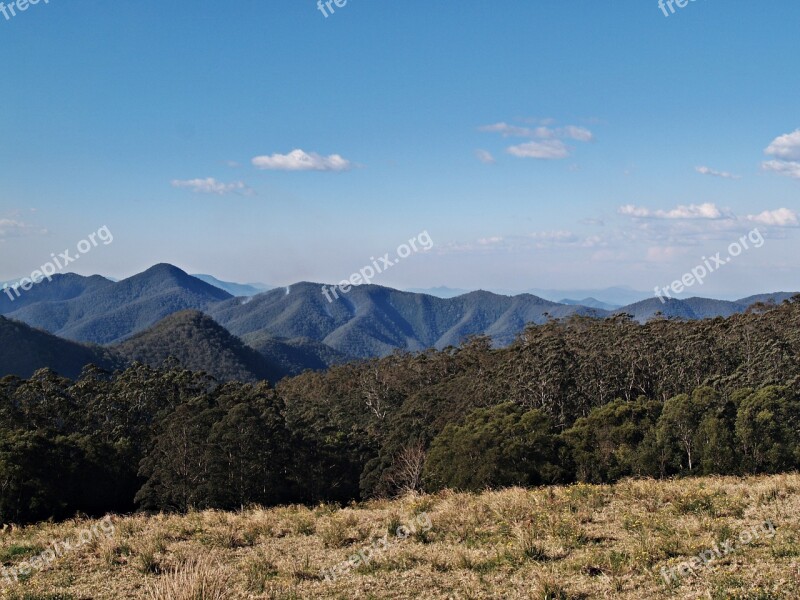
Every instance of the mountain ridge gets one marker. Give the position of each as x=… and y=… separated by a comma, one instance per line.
x=297, y=322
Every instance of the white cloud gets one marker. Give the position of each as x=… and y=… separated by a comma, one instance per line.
x=298, y=160
x=580, y=134
x=485, y=157
x=570, y=131
x=540, y=240
x=782, y=217
x=10, y=228
x=210, y=185
x=786, y=146
x=634, y=211
x=691, y=211
x=713, y=173
x=490, y=241
x=555, y=236
x=507, y=130
x=788, y=168
x=548, y=142
x=786, y=150
x=546, y=149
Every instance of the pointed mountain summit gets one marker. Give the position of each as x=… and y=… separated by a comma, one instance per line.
x=110, y=313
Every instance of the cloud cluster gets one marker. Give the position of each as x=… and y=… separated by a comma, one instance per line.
x=538, y=240
x=296, y=160
x=547, y=143
x=299, y=160
x=713, y=173
x=10, y=228
x=781, y=217
x=210, y=185
x=546, y=149
x=785, y=151
x=691, y=211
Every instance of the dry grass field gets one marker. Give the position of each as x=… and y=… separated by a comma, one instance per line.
x=570, y=542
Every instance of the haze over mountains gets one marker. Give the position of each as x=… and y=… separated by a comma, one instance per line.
x=235, y=289
x=165, y=312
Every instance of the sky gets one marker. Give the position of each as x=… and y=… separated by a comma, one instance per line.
x=573, y=144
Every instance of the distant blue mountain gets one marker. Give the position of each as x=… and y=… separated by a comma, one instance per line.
x=235, y=289
x=615, y=296
x=439, y=292
x=591, y=303
x=697, y=308
x=375, y=321
x=101, y=311
x=296, y=327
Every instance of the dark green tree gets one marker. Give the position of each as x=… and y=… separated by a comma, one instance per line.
x=504, y=445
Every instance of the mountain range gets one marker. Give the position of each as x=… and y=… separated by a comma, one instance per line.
x=165, y=312
x=235, y=289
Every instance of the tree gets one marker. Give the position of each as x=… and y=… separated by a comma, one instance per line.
x=499, y=446
x=177, y=466
x=616, y=440
x=250, y=446
x=767, y=427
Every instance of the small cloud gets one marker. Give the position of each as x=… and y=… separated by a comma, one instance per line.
x=634, y=211
x=554, y=236
x=713, y=173
x=786, y=152
x=548, y=142
x=692, y=211
x=580, y=134
x=544, y=132
x=298, y=160
x=546, y=149
x=212, y=186
x=551, y=239
x=10, y=228
x=782, y=217
x=786, y=147
x=490, y=241
x=485, y=157
x=789, y=168
x=507, y=130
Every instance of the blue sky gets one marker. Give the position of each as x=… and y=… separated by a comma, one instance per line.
x=541, y=144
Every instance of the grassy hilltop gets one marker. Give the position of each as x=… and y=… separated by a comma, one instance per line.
x=579, y=541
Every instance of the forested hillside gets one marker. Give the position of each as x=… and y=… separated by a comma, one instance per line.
x=197, y=343
x=24, y=349
x=107, y=312
x=581, y=399
x=296, y=327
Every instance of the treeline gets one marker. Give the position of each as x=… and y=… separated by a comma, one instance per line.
x=582, y=399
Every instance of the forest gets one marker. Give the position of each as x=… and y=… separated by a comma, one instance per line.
x=578, y=399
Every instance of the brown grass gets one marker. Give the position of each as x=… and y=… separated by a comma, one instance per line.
x=570, y=542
